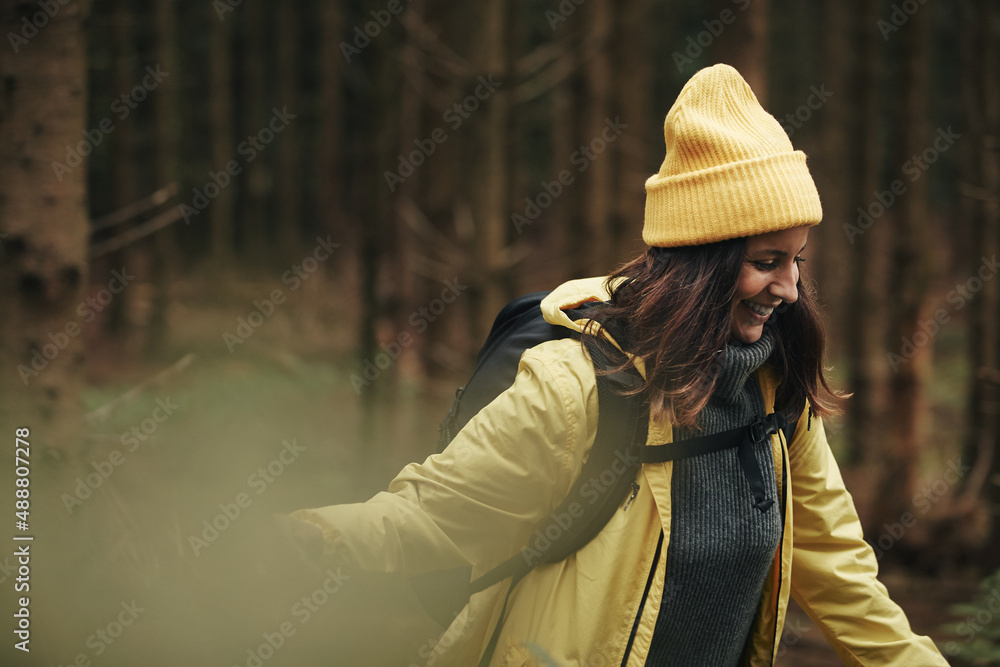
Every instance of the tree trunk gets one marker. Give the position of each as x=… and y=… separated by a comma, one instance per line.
x=122, y=142
x=255, y=181
x=743, y=43
x=865, y=325
x=558, y=233
x=165, y=171
x=405, y=249
x=220, y=113
x=124, y=185
x=982, y=173
x=328, y=174
x=598, y=193
x=373, y=148
x=637, y=147
x=572, y=234
x=910, y=278
x=490, y=173
x=287, y=174
x=43, y=227
x=831, y=167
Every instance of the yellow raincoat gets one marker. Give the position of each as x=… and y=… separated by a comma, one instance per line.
x=478, y=502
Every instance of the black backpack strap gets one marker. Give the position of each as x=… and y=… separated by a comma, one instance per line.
x=788, y=430
x=587, y=515
x=491, y=648
x=588, y=512
x=790, y=425
x=754, y=434
x=519, y=326
x=744, y=438
x=704, y=444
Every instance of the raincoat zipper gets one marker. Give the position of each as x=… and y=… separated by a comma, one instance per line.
x=642, y=602
x=781, y=545
x=635, y=490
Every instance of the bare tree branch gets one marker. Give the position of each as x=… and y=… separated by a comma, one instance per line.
x=134, y=209
x=132, y=235
x=161, y=378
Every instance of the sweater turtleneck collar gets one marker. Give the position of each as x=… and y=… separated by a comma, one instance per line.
x=739, y=361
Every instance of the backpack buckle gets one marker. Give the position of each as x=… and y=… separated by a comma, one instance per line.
x=757, y=430
x=763, y=427
x=775, y=421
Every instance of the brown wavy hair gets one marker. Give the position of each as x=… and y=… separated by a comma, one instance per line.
x=673, y=308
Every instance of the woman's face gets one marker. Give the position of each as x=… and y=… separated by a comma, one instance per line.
x=767, y=279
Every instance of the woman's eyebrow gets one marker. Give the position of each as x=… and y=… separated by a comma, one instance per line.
x=776, y=251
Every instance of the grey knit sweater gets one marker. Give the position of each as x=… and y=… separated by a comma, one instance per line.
x=720, y=546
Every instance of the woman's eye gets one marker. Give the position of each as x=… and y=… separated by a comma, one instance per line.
x=769, y=266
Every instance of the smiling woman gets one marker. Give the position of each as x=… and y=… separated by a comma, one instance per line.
x=767, y=280
x=697, y=565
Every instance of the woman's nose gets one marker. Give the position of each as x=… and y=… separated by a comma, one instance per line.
x=784, y=286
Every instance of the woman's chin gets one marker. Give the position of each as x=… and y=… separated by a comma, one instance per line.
x=748, y=334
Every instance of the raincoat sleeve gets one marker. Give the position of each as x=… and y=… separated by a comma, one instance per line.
x=477, y=502
x=834, y=570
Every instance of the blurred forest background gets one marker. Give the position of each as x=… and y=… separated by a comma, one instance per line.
x=237, y=233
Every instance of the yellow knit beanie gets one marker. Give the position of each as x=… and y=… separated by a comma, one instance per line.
x=730, y=169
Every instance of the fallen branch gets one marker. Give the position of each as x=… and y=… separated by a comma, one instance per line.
x=134, y=234
x=989, y=374
x=134, y=209
x=161, y=378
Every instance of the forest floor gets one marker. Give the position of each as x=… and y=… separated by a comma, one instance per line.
x=173, y=509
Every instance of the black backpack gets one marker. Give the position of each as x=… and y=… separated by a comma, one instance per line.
x=621, y=437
